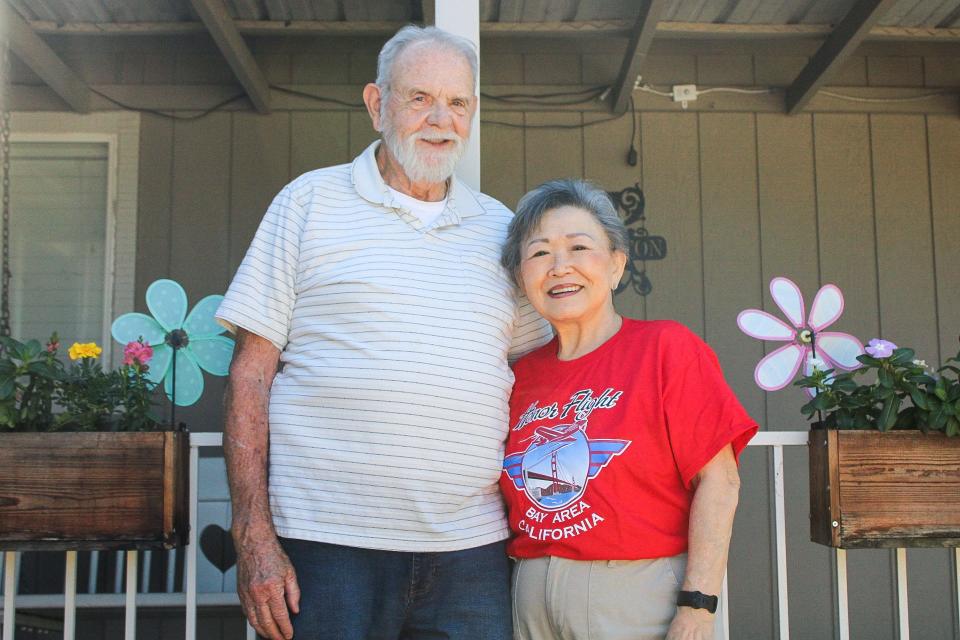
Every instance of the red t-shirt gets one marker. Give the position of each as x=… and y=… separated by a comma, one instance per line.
x=602, y=449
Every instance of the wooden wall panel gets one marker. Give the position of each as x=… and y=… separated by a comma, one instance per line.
x=848, y=259
x=908, y=302
x=361, y=132
x=731, y=267
x=605, y=148
x=731, y=246
x=788, y=241
x=895, y=71
x=553, y=153
x=502, y=159
x=905, y=250
x=734, y=70
x=671, y=184
x=539, y=68
x=154, y=197
x=788, y=231
x=501, y=68
x=943, y=134
x=259, y=167
x=317, y=140
x=199, y=236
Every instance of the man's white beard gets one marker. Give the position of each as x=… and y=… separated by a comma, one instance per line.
x=430, y=166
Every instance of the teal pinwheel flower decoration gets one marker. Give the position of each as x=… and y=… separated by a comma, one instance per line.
x=192, y=341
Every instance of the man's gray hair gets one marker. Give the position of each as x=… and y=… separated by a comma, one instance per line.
x=552, y=195
x=412, y=34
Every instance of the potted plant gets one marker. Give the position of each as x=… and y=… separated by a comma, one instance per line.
x=85, y=460
x=884, y=452
x=884, y=459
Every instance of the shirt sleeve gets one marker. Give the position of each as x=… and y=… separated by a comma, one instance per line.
x=530, y=331
x=261, y=296
x=702, y=413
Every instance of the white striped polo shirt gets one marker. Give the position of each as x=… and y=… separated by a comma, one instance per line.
x=388, y=417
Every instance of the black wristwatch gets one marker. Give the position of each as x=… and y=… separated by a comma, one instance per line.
x=697, y=600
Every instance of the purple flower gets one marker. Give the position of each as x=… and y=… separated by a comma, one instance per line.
x=880, y=348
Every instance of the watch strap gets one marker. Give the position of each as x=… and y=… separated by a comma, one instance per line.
x=697, y=600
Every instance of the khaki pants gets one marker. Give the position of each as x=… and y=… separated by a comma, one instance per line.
x=556, y=598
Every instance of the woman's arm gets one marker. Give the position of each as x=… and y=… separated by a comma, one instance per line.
x=716, y=492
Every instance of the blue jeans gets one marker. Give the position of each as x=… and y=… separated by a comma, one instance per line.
x=364, y=594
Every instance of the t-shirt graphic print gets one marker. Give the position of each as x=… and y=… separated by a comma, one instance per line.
x=602, y=450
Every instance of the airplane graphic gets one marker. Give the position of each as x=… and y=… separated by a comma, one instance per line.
x=547, y=441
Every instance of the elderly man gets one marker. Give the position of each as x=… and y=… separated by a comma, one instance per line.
x=374, y=324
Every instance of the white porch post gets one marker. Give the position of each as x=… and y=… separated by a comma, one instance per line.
x=462, y=17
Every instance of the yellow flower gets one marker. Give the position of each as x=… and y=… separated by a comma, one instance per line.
x=85, y=350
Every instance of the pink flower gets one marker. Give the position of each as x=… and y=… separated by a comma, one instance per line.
x=880, y=348
x=779, y=367
x=137, y=353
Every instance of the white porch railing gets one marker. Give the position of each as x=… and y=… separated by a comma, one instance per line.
x=190, y=599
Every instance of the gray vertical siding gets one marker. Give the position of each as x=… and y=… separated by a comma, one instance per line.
x=870, y=202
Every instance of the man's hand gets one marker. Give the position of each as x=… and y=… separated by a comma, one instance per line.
x=268, y=589
x=691, y=624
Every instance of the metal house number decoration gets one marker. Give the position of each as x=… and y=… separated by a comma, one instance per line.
x=643, y=245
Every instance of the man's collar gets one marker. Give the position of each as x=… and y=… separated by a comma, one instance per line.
x=370, y=185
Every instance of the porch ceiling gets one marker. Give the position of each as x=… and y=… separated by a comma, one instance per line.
x=841, y=25
x=937, y=14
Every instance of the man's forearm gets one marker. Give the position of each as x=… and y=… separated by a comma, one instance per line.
x=246, y=436
x=711, y=526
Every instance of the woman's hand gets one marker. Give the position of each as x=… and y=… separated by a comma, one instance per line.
x=691, y=624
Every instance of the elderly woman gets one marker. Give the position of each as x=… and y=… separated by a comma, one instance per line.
x=621, y=463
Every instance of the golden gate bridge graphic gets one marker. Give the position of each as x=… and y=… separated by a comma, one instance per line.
x=573, y=460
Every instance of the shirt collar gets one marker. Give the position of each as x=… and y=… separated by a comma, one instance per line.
x=461, y=199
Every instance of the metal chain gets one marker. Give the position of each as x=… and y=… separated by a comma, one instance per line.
x=5, y=274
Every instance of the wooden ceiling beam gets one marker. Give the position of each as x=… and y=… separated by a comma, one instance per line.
x=42, y=60
x=641, y=37
x=840, y=44
x=598, y=28
x=223, y=29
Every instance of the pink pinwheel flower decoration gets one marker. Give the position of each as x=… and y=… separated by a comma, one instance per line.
x=806, y=336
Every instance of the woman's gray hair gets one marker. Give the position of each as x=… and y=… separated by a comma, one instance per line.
x=554, y=194
x=412, y=34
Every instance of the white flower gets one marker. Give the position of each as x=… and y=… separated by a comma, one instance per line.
x=816, y=364
x=920, y=363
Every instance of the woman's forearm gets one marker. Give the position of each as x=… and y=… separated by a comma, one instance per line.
x=711, y=523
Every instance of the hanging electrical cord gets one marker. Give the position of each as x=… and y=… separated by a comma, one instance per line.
x=313, y=96
x=632, y=153
x=165, y=114
x=924, y=96
x=514, y=125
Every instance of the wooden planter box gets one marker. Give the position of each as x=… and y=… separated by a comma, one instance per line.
x=897, y=489
x=93, y=490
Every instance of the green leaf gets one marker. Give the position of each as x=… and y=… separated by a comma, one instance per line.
x=902, y=355
x=31, y=350
x=888, y=415
x=938, y=418
x=7, y=388
x=845, y=384
x=953, y=427
x=868, y=360
x=919, y=399
x=940, y=390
